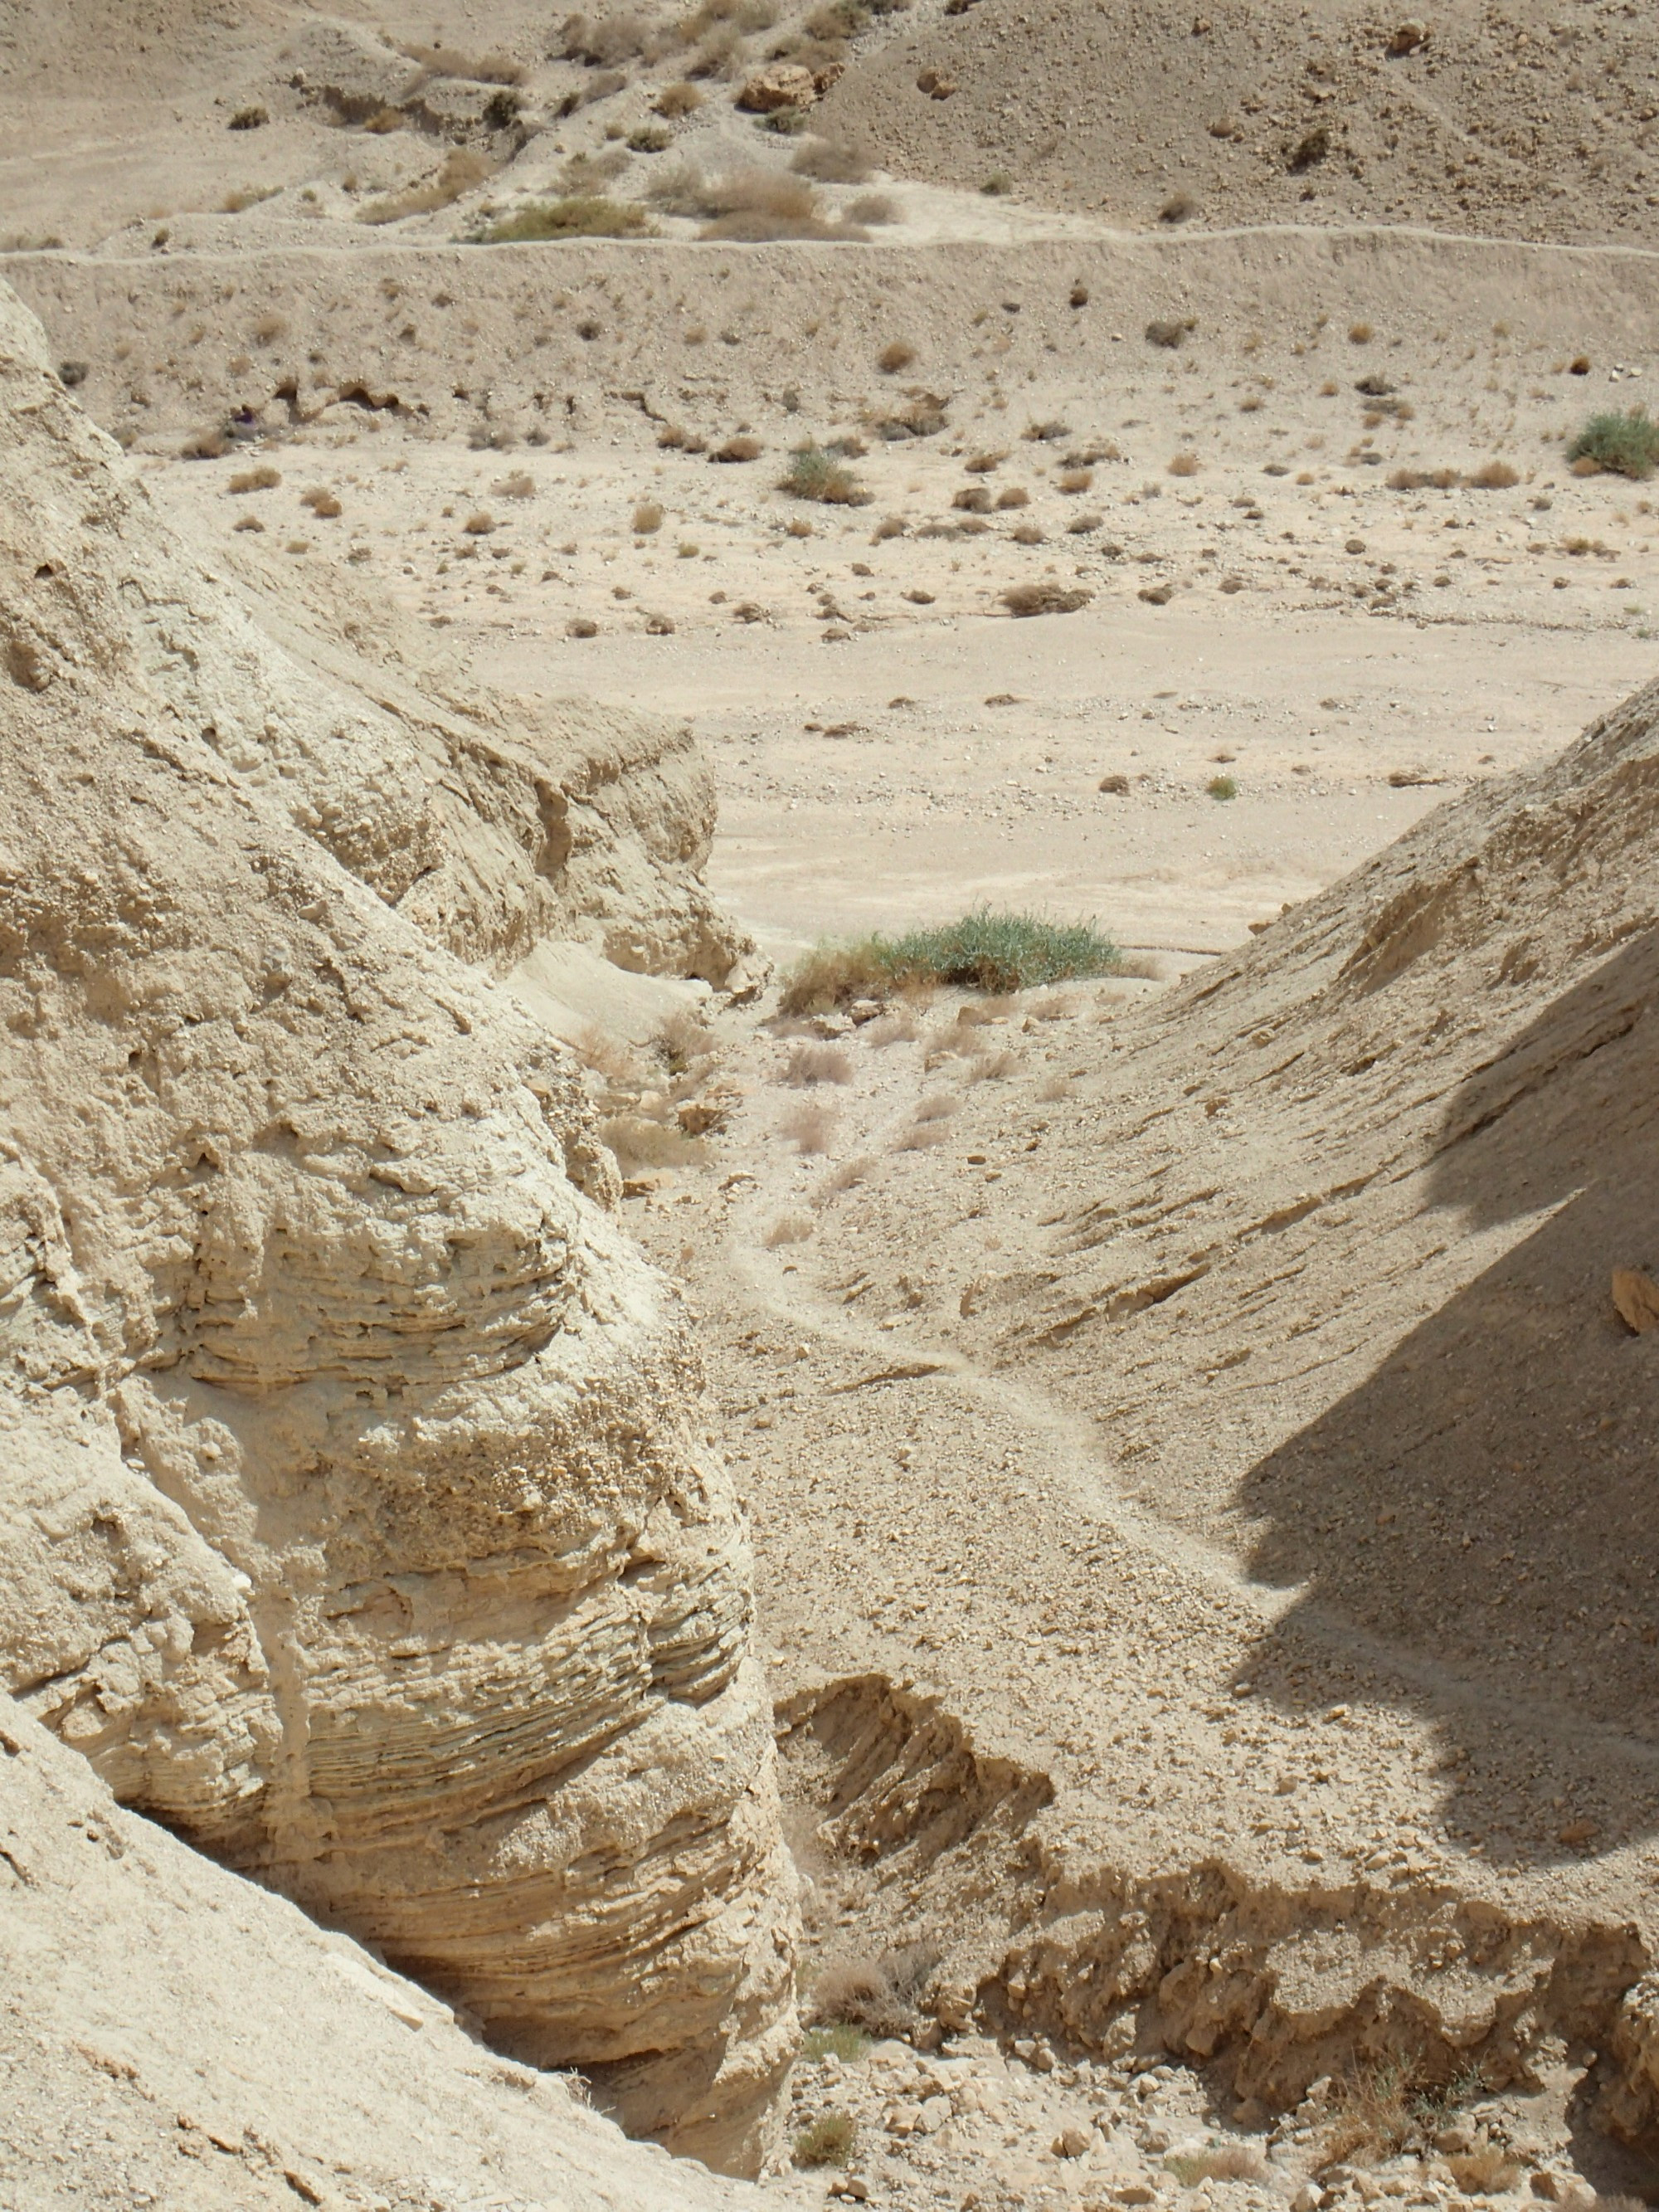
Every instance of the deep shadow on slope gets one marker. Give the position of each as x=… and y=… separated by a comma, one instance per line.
x=1484, y=1505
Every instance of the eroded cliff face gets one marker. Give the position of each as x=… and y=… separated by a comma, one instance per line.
x=357, y=1517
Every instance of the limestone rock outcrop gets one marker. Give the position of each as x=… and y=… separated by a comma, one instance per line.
x=358, y=1517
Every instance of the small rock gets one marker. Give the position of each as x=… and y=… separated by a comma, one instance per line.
x=1118, y=786
x=1636, y=1296
x=1071, y=2143
x=853, y=2186
x=1409, y=36
x=863, y=1010
x=832, y=1025
x=902, y=2119
x=1307, y=2199
x=934, y=2112
x=1135, y=2192
x=1578, y=1831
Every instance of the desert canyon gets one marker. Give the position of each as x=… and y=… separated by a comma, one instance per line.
x=827, y=1270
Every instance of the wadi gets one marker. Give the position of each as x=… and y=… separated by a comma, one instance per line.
x=829, y=1256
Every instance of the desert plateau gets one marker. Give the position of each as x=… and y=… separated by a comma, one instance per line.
x=828, y=984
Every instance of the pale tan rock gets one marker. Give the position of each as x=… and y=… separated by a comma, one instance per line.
x=357, y=1510
x=1637, y=1297
x=782, y=84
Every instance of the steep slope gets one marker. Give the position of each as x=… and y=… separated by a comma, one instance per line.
x=173, y=2034
x=359, y=1513
x=1519, y=122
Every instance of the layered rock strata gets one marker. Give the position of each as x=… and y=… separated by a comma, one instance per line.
x=358, y=1515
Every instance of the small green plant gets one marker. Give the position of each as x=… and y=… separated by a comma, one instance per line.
x=998, y=185
x=983, y=951
x=828, y=2142
x=838, y=2038
x=1222, y=787
x=1627, y=444
x=583, y=216
x=814, y=474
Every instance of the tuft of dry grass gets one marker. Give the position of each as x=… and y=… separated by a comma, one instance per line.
x=788, y=1228
x=269, y=328
x=809, y=1126
x=519, y=485
x=1184, y=465
x=581, y=216
x=249, y=196
x=322, y=502
x=1493, y=475
x=1014, y=495
x=981, y=465
x=891, y=526
x=831, y=161
x=264, y=478
x=896, y=357
x=819, y=1063
x=742, y=448
x=849, y=1173
x=972, y=499
x=639, y=1142
x=462, y=171
x=1178, y=207
x=647, y=519
x=1360, y=334
x=829, y=2141
x=479, y=525
x=881, y=1996
x=481, y=68
x=1165, y=331
x=1072, y=481
x=938, y=1106
x=1487, y=2171
x=675, y=100
x=1234, y=2162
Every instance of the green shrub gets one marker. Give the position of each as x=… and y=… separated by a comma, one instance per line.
x=1627, y=444
x=828, y=2142
x=581, y=217
x=814, y=474
x=983, y=951
x=1222, y=787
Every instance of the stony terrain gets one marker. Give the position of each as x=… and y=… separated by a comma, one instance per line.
x=1193, y=1463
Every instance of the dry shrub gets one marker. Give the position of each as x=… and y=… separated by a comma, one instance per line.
x=204, y=446
x=891, y=526
x=675, y=101
x=843, y=1178
x=639, y=1142
x=921, y=1137
x=581, y=626
x=264, y=478
x=1028, y=534
x=714, y=195
x=1164, y=331
x=519, y=485
x=650, y=138
x=249, y=196
x=626, y=36
x=1423, y=479
x=479, y=525
x=788, y=1228
x=682, y=1038
x=249, y=522
x=1360, y=334
x=1014, y=495
x=1184, y=465
x=647, y=518
x=1177, y=207
x=608, y=1055
x=1046, y=433
x=992, y=1066
x=900, y=1028
x=738, y=449
x=482, y=69
x=875, y=207
x=1487, y=2171
x=269, y=328
x=819, y=1063
x=809, y=1126
x=831, y=975
x=321, y=501
x=881, y=1996
x=1493, y=475
x=981, y=465
x=829, y=162
x=1077, y=480
x=938, y=1106
x=972, y=499
x=894, y=357
x=1372, y=2117
x=463, y=170
x=1044, y=599
x=830, y=2141
x=1234, y=2162
x=582, y=215
x=813, y=474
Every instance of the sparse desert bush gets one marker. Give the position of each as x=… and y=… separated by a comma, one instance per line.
x=264, y=478
x=788, y=1228
x=819, y=1063
x=1487, y=2171
x=1177, y=207
x=1627, y=444
x=583, y=216
x=875, y=207
x=1028, y=534
x=921, y=1137
x=894, y=357
x=891, y=526
x=647, y=518
x=1054, y=1088
x=809, y=1125
x=843, y=1178
x=1163, y=331
x=741, y=448
x=972, y=499
x=831, y=161
x=248, y=196
x=321, y=501
x=1493, y=475
x=880, y=1996
x=1013, y=495
x=983, y=951
x=1025, y=599
x=581, y=626
x=675, y=101
x=204, y=446
x=1234, y=2162
x=1072, y=481
x=1423, y=479
x=479, y=525
x=1080, y=525
x=249, y=522
x=606, y=41
x=992, y=1066
x=481, y=68
x=1046, y=433
x=639, y=1142
x=938, y=1106
x=1372, y=2116
x=1184, y=465
x=269, y=328
x=248, y=118
x=1222, y=787
x=838, y=2040
x=998, y=185
x=519, y=485
x=814, y=474
x=828, y=2142
x=650, y=138
x=462, y=171
x=981, y=465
